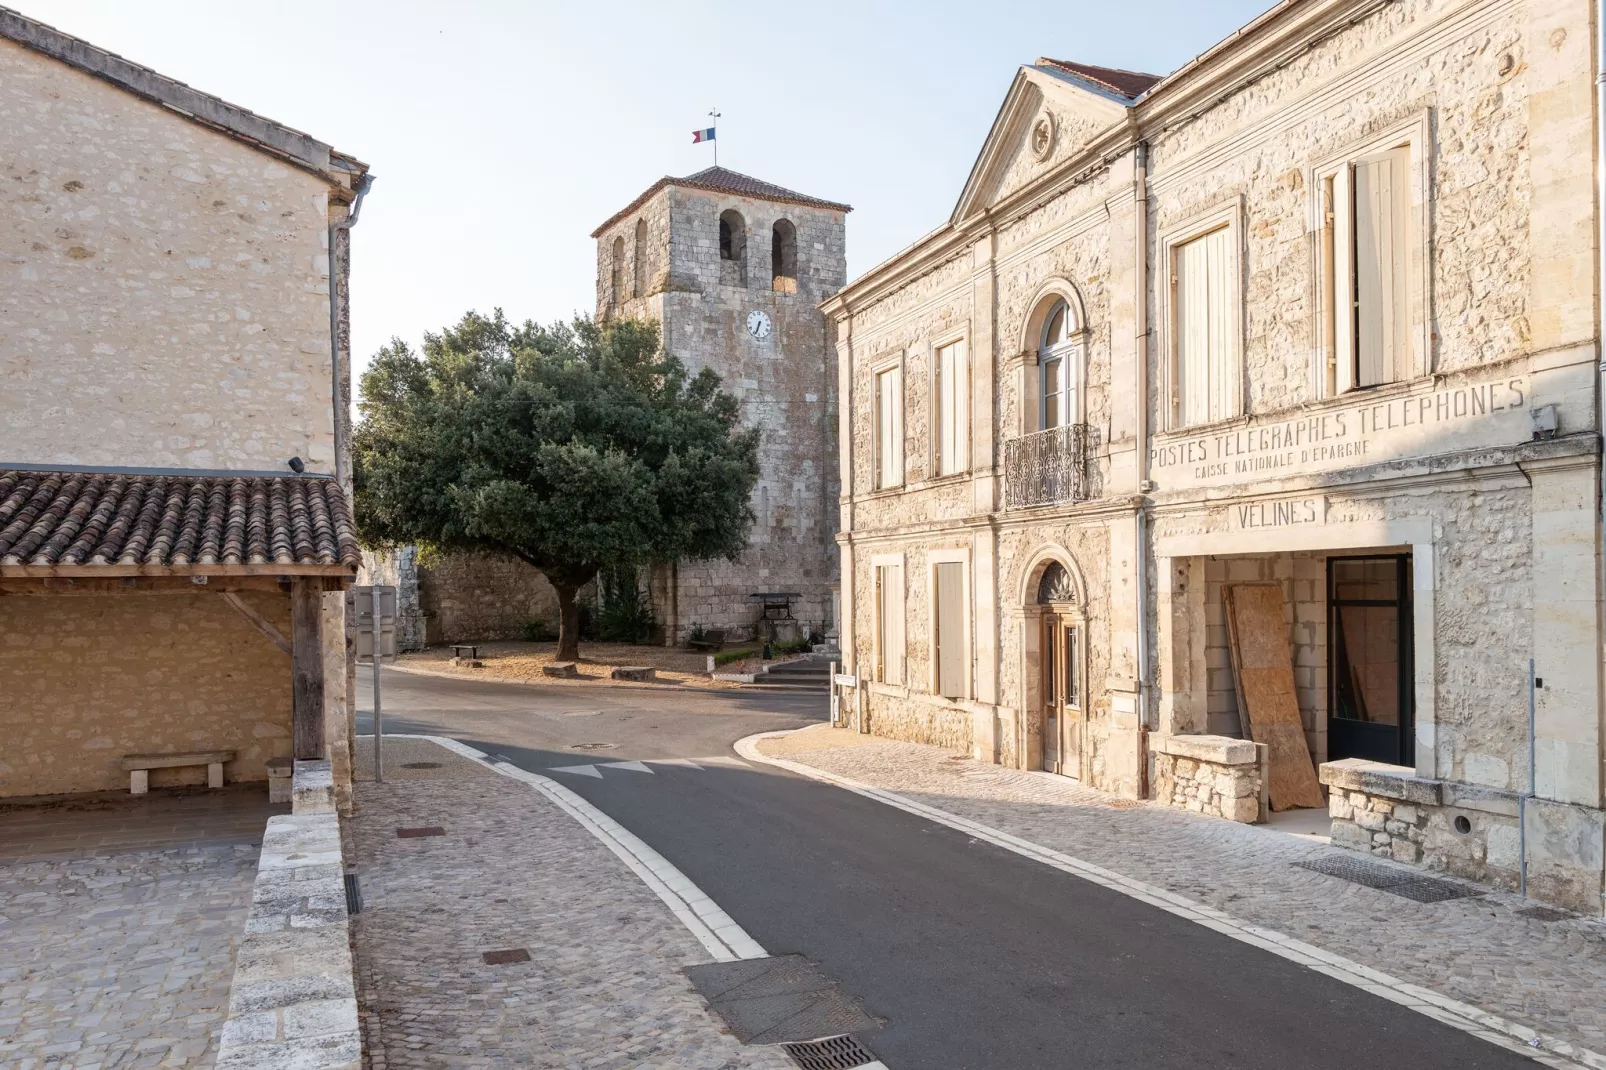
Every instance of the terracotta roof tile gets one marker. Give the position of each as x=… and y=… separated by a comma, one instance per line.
x=108, y=518
x=1129, y=84
x=724, y=180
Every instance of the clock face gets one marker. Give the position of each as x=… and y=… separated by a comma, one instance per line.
x=758, y=324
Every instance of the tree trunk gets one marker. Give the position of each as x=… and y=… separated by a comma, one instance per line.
x=568, y=621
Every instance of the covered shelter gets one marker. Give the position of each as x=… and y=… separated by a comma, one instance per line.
x=168, y=613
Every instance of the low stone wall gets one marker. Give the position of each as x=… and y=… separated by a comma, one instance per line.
x=1211, y=775
x=294, y=999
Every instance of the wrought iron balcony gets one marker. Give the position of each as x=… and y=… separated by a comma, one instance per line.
x=1046, y=467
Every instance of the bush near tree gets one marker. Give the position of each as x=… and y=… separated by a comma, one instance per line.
x=576, y=448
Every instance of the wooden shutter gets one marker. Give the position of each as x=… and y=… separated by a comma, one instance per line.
x=1202, y=289
x=1344, y=279
x=889, y=623
x=952, y=432
x=1382, y=208
x=951, y=652
x=889, y=428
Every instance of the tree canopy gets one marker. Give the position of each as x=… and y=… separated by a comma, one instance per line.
x=574, y=447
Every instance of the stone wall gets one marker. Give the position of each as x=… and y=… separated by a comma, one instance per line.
x=1210, y=775
x=166, y=286
x=465, y=597
x=399, y=569
x=90, y=678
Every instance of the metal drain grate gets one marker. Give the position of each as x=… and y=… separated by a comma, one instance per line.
x=353, y=895
x=1543, y=914
x=415, y=833
x=421, y=765
x=1388, y=879
x=831, y=1053
x=592, y=746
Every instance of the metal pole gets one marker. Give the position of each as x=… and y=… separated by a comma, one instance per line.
x=1522, y=803
x=379, y=720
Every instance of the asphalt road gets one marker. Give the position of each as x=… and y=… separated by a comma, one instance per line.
x=973, y=956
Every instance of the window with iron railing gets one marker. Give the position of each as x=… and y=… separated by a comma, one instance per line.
x=1046, y=467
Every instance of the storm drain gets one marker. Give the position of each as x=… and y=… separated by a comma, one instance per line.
x=423, y=830
x=832, y=1053
x=1388, y=879
x=353, y=895
x=592, y=746
x=779, y=1000
x=421, y=765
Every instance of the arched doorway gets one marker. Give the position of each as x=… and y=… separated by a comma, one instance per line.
x=1056, y=655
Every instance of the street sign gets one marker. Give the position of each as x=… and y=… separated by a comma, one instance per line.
x=366, y=599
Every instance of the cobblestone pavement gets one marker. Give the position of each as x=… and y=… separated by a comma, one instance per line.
x=602, y=988
x=1547, y=975
x=122, y=960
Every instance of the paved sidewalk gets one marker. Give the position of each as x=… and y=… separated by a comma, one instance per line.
x=602, y=988
x=1547, y=975
x=119, y=922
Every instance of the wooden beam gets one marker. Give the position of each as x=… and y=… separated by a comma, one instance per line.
x=258, y=621
x=306, y=666
x=56, y=587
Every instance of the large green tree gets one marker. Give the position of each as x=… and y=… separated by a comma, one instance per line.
x=574, y=447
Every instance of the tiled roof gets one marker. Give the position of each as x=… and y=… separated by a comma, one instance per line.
x=97, y=519
x=1129, y=84
x=723, y=180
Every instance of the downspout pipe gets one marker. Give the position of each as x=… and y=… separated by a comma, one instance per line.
x=1600, y=273
x=1140, y=269
x=342, y=403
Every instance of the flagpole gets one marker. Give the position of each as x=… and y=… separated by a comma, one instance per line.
x=714, y=114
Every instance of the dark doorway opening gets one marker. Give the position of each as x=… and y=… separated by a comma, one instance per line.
x=1371, y=690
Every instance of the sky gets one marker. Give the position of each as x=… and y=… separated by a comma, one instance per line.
x=501, y=133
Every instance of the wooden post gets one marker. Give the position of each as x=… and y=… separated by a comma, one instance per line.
x=306, y=666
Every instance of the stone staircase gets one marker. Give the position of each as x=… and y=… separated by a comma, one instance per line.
x=812, y=673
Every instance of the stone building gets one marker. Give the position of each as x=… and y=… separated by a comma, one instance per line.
x=734, y=269
x=1272, y=377
x=174, y=467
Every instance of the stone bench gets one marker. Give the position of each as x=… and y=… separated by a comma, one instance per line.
x=471, y=660
x=138, y=767
x=565, y=669
x=633, y=672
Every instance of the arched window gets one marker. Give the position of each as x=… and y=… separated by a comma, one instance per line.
x=1059, y=368
x=732, y=248
x=783, y=255
x=639, y=285
x=732, y=235
x=1056, y=585
x=614, y=272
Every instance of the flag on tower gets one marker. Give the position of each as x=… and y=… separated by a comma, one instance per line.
x=700, y=136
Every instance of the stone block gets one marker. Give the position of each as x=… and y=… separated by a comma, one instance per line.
x=468, y=663
x=1406, y=814
x=1245, y=809
x=1220, y=750
x=1370, y=819
x=1402, y=850
x=280, y=771
x=633, y=672
x=561, y=669
x=1348, y=834
x=312, y=789
x=1338, y=807
x=1380, y=779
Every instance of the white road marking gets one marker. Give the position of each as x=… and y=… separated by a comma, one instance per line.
x=714, y=929
x=721, y=759
x=578, y=770
x=1513, y=1036
x=684, y=763
x=635, y=767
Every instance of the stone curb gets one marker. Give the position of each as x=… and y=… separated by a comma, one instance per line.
x=558, y=682
x=293, y=1002
x=1513, y=1036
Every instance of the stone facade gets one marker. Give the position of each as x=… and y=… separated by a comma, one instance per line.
x=661, y=259
x=1473, y=464
x=175, y=302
